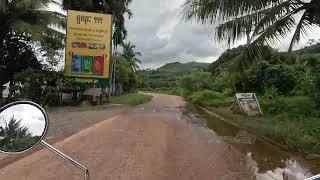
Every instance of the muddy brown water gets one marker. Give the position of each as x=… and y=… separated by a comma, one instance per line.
x=265, y=157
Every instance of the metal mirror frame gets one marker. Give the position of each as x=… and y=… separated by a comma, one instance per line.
x=46, y=123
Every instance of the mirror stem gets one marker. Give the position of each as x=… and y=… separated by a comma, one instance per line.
x=67, y=158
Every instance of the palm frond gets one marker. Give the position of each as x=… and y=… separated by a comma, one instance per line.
x=274, y=13
x=271, y=35
x=299, y=29
x=211, y=10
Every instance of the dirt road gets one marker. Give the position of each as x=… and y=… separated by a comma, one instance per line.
x=154, y=141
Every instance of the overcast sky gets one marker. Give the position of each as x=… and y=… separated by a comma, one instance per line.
x=161, y=36
x=30, y=116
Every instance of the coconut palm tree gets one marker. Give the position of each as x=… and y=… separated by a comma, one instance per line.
x=11, y=133
x=24, y=24
x=30, y=19
x=130, y=55
x=265, y=21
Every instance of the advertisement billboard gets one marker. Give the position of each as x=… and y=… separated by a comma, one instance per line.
x=88, y=45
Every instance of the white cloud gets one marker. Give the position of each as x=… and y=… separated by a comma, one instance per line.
x=30, y=116
x=159, y=33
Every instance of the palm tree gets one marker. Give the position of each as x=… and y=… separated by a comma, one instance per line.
x=11, y=134
x=131, y=56
x=30, y=19
x=23, y=24
x=265, y=21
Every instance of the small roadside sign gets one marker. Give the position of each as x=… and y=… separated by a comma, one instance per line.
x=249, y=103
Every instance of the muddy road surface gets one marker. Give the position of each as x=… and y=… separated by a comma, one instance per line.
x=154, y=141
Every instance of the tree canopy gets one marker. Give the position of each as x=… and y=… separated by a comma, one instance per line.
x=130, y=55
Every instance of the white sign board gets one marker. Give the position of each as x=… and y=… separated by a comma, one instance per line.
x=248, y=103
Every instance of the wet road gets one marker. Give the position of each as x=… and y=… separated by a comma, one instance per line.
x=152, y=141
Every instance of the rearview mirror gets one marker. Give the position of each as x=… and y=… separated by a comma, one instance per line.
x=22, y=126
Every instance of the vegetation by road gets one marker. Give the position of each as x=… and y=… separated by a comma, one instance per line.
x=292, y=129
x=287, y=86
x=131, y=99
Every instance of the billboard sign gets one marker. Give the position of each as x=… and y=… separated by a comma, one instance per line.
x=248, y=103
x=88, y=45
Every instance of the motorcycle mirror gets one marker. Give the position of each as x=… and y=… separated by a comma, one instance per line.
x=23, y=125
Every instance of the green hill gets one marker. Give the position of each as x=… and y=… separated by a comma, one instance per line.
x=183, y=67
x=166, y=76
x=227, y=62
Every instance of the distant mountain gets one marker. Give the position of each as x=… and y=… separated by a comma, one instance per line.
x=183, y=67
x=168, y=74
x=228, y=61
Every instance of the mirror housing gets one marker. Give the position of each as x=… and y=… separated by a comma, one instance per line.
x=23, y=124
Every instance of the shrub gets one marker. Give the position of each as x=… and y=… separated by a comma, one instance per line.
x=295, y=106
x=208, y=98
x=281, y=77
x=197, y=81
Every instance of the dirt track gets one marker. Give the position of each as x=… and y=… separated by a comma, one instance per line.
x=153, y=141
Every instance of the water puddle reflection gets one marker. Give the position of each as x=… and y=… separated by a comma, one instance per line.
x=266, y=161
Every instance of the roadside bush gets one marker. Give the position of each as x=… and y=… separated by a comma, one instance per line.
x=281, y=77
x=169, y=90
x=228, y=92
x=294, y=106
x=196, y=81
x=272, y=106
x=208, y=98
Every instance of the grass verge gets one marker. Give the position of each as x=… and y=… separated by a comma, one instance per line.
x=292, y=122
x=131, y=99
x=297, y=135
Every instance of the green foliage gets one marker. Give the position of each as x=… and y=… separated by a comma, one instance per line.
x=125, y=74
x=38, y=86
x=131, y=56
x=316, y=85
x=131, y=99
x=166, y=90
x=208, y=98
x=15, y=137
x=296, y=133
x=265, y=75
x=196, y=81
x=25, y=32
x=30, y=20
x=15, y=56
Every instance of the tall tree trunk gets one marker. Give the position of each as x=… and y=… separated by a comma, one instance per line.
x=248, y=37
x=114, y=75
x=11, y=91
x=110, y=78
x=1, y=93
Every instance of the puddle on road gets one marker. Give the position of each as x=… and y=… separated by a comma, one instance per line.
x=267, y=160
